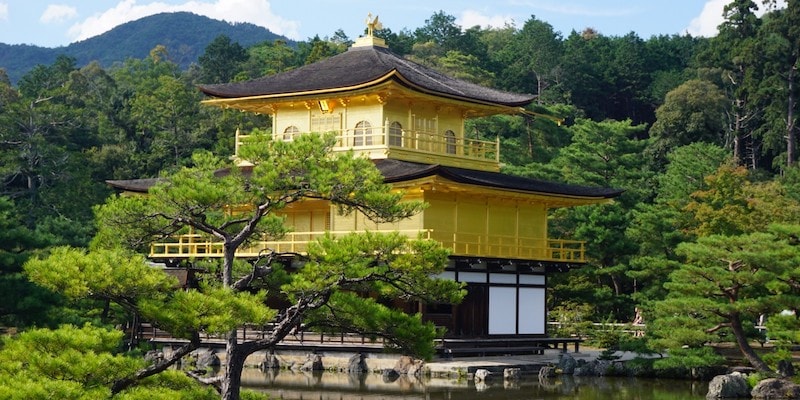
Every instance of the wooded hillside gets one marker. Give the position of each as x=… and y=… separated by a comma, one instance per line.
x=185, y=34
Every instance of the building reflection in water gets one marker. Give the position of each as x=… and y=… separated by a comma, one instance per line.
x=288, y=384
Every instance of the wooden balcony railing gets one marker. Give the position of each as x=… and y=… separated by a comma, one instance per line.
x=460, y=244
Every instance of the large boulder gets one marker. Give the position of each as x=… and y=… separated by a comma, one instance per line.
x=357, y=364
x=548, y=371
x=587, y=369
x=153, y=356
x=776, y=389
x=313, y=363
x=567, y=364
x=604, y=368
x=785, y=369
x=730, y=386
x=270, y=362
x=207, y=359
x=481, y=375
x=512, y=374
x=389, y=375
x=408, y=366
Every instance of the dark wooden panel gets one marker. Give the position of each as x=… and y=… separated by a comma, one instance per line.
x=472, y=315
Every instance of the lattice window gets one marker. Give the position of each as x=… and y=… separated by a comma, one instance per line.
x=326, y=123
x=362, y=135
x=290, y=133
x=450, y=142
x=395, y=134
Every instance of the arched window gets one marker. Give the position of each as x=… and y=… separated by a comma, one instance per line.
x=395, y=134
x=290, y=132
x=362, y=135
x=450, y=142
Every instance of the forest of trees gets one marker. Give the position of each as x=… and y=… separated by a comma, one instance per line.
x=700, y=132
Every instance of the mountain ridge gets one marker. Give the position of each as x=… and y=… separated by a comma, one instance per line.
x=184, y=34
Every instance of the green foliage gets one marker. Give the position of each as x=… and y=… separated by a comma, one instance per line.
x=212, y=310
x=686, y=171
x=172, y=384
x=689, y=358
x=21, y=303
x=352, y=313
x=608, y=337
x=221, y=59
x=604, y=154
x=754, y=378
x=574, y=319
x=82, y=363
x=74, y=362
x=733, y=205
x=726, y=282
x=693, y=112
x=659, y=226
x=638, y=345
x=784, y=330
x=388, y=265
x=267, y=58
x=107, y=274
x=330, y=292
x=777, y=355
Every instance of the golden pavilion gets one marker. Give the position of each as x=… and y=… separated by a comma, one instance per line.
x=410, y=120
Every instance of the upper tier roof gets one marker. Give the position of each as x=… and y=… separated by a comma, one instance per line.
x=359, y=67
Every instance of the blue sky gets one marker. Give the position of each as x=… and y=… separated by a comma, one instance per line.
x=61, y=22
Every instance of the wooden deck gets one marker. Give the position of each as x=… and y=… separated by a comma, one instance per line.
x=320, y=342
x=301, y=341
x=451, y=348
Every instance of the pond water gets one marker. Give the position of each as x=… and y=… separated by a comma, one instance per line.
x=338, y=386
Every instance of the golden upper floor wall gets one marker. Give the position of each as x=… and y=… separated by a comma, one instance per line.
x=395, y=124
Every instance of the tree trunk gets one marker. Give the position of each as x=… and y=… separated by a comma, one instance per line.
x=737, y=138
x=791, y=140
x=234, y=364
x=744, y=346
x=229, y=254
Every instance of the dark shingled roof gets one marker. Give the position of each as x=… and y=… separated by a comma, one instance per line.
x=361, y=65
x=400, y=171
x=133, y=185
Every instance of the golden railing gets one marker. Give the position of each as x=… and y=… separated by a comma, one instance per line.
x=415, y=140
x=507, y=246
x=460, y=244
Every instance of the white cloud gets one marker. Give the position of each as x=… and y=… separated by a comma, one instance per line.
x=3, y=11
x=257, y=12
x=58, y=13
x=709, y=19
x=470, y=18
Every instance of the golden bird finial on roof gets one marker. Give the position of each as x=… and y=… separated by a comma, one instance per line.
x=373, y=24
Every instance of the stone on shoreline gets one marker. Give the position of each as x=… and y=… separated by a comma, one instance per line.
x=730, y=386
x=776, y=389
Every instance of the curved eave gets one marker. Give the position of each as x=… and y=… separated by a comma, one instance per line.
x=256, y=103
x=438, y=183
x=133, y=185
x=410, y=175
